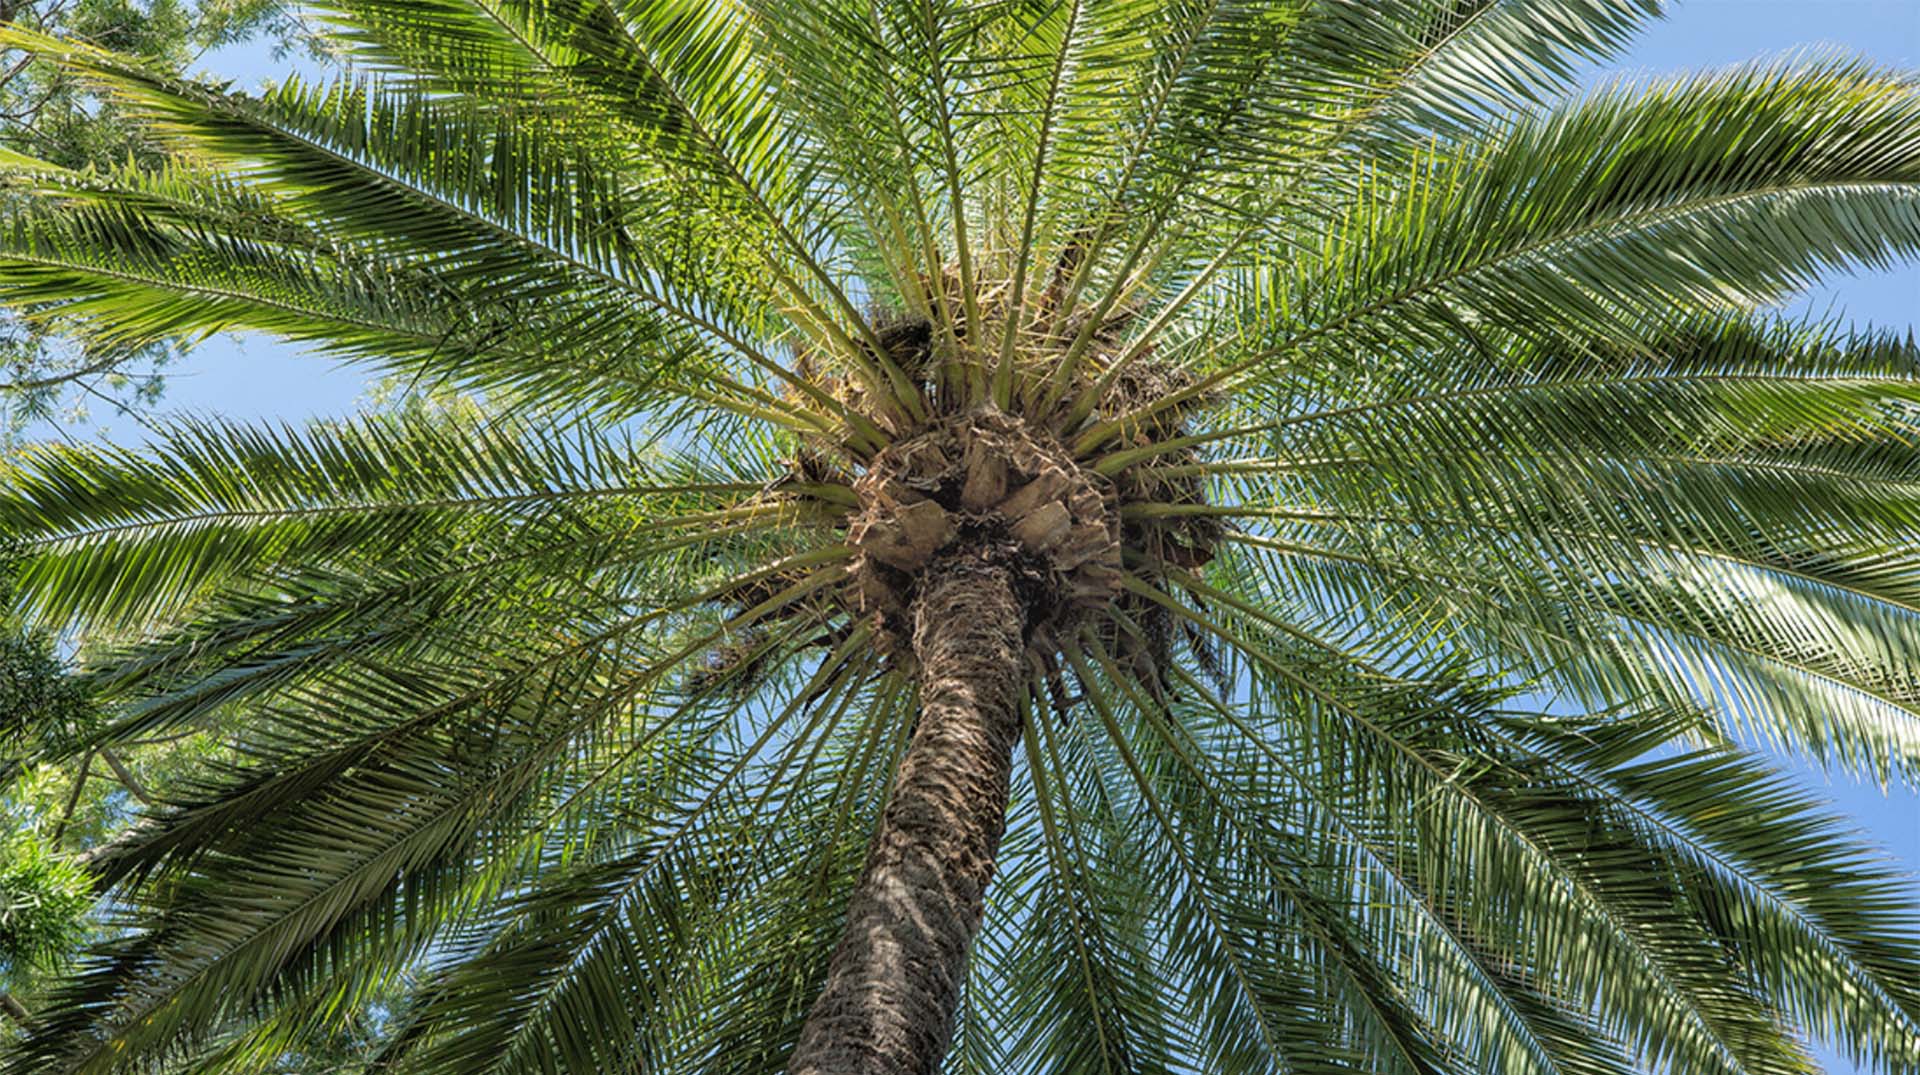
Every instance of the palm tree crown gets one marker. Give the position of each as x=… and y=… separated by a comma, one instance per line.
x=1055, y=535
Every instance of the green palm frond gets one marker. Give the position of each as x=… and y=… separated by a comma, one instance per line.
x=1611, y=213
x=1544, y=808
x=122, y=542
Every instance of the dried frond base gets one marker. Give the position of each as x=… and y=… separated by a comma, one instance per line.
x=1008, y=490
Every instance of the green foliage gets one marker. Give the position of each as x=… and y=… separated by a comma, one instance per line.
x=42, y=708
x=38, y=700
x=43, y=900
x=544, y=732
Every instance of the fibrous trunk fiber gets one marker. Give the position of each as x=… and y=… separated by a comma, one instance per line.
x=894, y=980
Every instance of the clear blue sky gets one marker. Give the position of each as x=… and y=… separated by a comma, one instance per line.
x=256, y=378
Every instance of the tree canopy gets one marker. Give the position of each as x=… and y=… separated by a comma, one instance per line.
x=1342, y=506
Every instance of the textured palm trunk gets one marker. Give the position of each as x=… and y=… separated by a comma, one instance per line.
x=894, y=980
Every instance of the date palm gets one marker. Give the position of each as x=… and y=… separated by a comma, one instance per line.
x=1044, y=535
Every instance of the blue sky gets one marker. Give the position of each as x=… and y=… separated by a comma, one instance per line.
x=258, y=379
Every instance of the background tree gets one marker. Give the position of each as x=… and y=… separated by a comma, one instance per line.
x=1054, y=535
x=44, y=898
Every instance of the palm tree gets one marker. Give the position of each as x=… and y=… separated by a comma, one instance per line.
x=1056, y=535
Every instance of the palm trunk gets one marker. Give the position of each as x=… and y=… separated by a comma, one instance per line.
x=894, y=980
